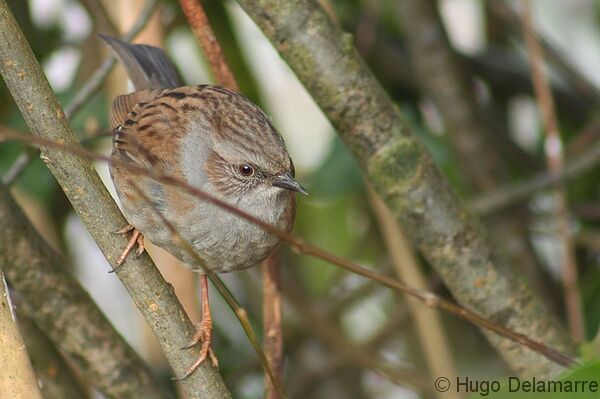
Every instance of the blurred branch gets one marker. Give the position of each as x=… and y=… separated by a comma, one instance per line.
x=20, y=164
x=272, y=321
x=405, y=176
x=470, y=131
x=301, y=246
x=428, y=324
x=510, y=194
x=239, y=312
x=554, y=154
x=98, y=212
x=97, y=12
x=304, y=386
x=441, y=78
x=511, y=23
x=206, y=37
x=330, y=335
x=65, y=312
x=272, y=312
x=94, y=83
x=17, y=379
x=55, y=377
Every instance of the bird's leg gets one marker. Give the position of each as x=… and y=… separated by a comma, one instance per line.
x=203, y=333
x=137, y=238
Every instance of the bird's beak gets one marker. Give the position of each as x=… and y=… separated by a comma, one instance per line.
x=287, y=181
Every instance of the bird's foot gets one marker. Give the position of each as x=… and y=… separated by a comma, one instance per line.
x=202, y=336
x=137, y=238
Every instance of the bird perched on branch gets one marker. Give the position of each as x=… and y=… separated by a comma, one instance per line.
x=213, y=139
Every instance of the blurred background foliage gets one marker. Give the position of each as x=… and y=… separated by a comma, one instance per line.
x=337, y=215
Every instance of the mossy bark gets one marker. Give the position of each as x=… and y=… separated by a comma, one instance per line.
x=152, y=295
x=404, y=175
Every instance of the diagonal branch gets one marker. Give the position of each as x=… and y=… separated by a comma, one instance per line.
x=94, y=83
x=272, y=312
x=554, y=156
x=206, y=37
x=65, y=312
x=92, y=202
x=404, y=175
x=301, y=246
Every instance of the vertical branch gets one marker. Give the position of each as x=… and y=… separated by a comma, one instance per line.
x=206, y=37
x=91, y=200
x=554, y=156
x=405, y=176
x=272, y=321
x=272, y=314
x=434, y=344
x=17, y=379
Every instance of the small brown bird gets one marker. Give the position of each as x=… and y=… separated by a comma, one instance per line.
x=213, y=139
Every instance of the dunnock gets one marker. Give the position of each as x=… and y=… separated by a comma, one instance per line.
x=213, y=139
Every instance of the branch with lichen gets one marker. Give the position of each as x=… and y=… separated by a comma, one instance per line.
x=65, y=312
x=98, y=212
x=428, y=298
x=404, y=175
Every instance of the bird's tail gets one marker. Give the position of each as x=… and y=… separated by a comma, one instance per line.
x=148, y=67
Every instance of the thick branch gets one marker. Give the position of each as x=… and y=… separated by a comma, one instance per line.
x=17, y=379
x=405, y=177
x=55, y=378
x=90, y=199
x=65, y=312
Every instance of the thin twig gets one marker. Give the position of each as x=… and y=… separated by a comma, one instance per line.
x=428, y=298
x=583, y=85
x=239, y=312
x=272, y=321
x=508, y=195
x=95, y=82
x=364, y=358
x=403, y=173
x=91, y=200
x=554, y=155
x=272, y=312
x=206, y=37
x=303, y=387
x=428, y=324
x=19, y=166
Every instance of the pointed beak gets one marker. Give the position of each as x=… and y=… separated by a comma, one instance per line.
x=287, y=181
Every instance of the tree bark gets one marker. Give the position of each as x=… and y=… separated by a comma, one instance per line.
x=403, y=174
x=98, y=212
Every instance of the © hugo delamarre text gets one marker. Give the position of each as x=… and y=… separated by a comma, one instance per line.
x=515, y=384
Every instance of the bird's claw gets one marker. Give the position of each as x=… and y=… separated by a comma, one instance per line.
x=202, y=336
x=137, y=238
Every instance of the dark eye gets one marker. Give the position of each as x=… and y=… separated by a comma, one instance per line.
x=246, y=170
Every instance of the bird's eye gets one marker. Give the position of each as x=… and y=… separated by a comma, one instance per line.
x=246, y=170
